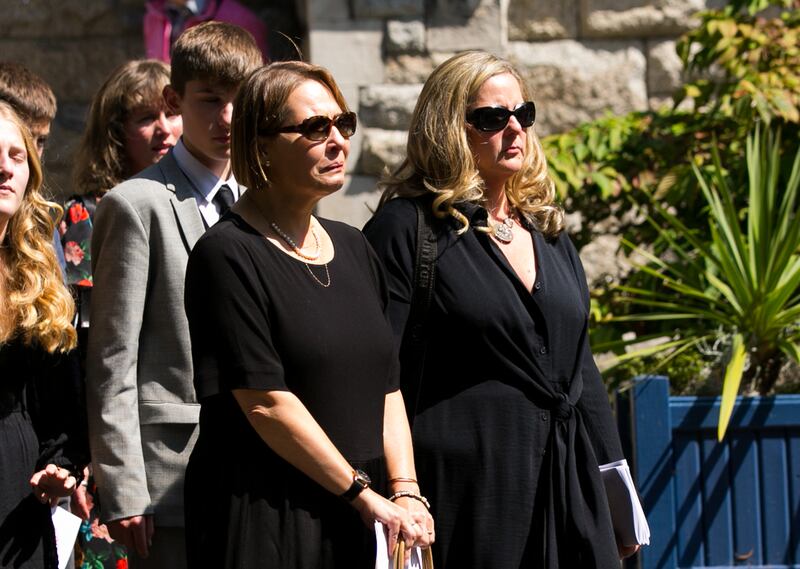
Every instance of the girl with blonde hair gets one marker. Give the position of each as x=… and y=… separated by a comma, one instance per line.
x=42, y=432
x=509, y=415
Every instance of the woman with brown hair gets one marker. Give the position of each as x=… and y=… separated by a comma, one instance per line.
x=129, y=128
x=509, y=413
x=294, y=362
x=42, y=426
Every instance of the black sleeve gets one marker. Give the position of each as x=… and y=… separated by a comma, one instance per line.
x=382, y=289
x=229, y=323
x=392, y=233
x=594, y=404
x=56, y=402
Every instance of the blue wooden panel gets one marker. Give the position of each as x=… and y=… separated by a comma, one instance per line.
x=716, y=501
x=653, y=467
x=775, y=498
x=794, y=491
x=688, y=501
x=693, y=413
x=744, y=472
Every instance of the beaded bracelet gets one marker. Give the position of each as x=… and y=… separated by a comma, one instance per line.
x=413, y=495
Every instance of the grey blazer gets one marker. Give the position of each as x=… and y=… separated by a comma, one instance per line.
x=143, y=413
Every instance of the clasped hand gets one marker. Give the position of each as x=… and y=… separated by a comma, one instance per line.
x=409, y=520
x=52, y=483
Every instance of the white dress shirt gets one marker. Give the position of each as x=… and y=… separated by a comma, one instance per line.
x=205, y=184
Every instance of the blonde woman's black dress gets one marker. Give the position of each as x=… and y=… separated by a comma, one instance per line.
x=512, y=417
x=42, y=421
x=260, y=320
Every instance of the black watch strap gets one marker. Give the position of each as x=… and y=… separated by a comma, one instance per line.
x=360, y=483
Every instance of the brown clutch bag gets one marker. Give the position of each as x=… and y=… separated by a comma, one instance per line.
x=399, y=554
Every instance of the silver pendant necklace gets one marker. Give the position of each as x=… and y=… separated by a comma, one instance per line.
x=503, y=231
x=289, y=241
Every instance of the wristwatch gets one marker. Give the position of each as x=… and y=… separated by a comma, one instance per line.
x=360, y=482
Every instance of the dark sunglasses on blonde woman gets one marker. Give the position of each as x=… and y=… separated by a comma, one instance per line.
x=319, y=127
x=493, y=119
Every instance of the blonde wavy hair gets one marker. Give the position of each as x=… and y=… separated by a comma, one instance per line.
x=439, y=159
x=37, y=306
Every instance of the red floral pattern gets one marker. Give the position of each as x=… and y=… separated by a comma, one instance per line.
x=78, y=213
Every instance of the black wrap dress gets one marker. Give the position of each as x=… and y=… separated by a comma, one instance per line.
x=42, y=421
x=260, y=320
x=512, y=417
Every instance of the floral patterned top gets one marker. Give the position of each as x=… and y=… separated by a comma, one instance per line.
x=76, y=238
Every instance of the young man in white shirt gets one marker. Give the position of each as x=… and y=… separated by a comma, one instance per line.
x=142, y=409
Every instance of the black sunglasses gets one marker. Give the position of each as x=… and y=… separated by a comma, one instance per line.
x=319, y=127
x=493, y=119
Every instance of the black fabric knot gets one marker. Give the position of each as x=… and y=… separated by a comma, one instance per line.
x=562, y=408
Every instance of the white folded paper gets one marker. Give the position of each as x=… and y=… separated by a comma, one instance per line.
x=627, y=515
x=66, y=527
x=382, y=560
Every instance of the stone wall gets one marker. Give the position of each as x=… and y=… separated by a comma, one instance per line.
x=581, y=58
x=75, y=44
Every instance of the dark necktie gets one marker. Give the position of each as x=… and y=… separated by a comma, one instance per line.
x=223, y=200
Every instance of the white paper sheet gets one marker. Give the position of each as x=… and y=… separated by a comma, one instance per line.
x=66, y=526
x=382, y=560
x=627, y=515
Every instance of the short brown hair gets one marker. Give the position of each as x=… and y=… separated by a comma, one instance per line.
x=29, y=95
x=214, y=51
x=260, y=107
x=100, y=163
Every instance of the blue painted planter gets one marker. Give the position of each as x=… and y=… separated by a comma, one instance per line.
x=710, y=504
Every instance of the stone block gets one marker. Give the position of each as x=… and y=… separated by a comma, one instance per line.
x=406, y=69
x=74, y=69
x=388, y=106
x=455, y=25
x=388, y=8
x=664, y=68
x=70, y=18
x=405, y=36
x=639, y=18
x=354, y=203
x=319, y=13
x=381, y=149
x=542, y=19
x=574, y=82
x=351, y=51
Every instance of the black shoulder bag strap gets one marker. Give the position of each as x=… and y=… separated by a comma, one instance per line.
x=415, y=339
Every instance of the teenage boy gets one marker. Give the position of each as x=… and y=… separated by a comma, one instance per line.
x=34, y=101
x=143, y=413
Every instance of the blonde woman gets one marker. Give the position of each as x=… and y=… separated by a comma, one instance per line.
x=510, y=417
x=42, y=432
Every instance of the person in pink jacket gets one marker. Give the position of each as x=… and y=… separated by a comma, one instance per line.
x=164, y=21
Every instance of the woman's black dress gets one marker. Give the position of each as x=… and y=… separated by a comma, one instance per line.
x=512, y=417
x=42, y=421
x=258, y=320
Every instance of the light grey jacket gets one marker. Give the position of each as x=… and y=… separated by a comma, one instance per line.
x=142, y=408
